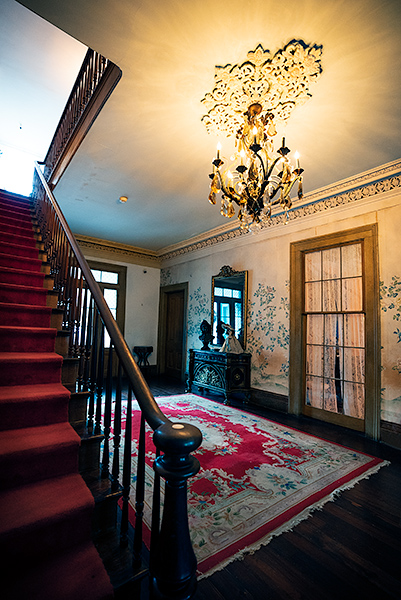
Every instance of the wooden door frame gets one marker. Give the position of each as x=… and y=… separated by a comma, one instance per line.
x=162, y=330
x=369, y=235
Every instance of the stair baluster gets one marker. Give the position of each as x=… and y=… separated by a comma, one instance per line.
x=139, y=496
x=107, y=416
x=92, y=382
x=115, y=471
x=99, y=381
x=126, y=477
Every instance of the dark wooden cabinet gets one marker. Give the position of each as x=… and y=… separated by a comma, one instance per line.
x=220, y=372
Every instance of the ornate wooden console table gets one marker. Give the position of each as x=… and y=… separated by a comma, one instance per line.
x=220, y=372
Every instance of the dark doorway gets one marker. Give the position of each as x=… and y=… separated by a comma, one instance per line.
x=172, y=331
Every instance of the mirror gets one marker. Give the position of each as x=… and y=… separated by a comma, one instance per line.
x=229, y=299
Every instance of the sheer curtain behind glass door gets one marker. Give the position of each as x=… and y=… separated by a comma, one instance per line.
x=335, y=330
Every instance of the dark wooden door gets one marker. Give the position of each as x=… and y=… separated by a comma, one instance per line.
x=174, y=333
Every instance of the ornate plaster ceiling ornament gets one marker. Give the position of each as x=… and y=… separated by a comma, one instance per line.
x=279, y=83
x=248, y=101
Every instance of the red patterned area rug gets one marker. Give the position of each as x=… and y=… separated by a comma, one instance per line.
x=257, y=478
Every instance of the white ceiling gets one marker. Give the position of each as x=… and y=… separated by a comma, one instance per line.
x=149, y=143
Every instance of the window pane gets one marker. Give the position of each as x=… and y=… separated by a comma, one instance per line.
x=314, y=360
x=218, y=291
x=333, y=330
x=314, y=392
x=236, y=293
x=238, y=320
x=227, y=293
x=109, y=277
x=331, y=295
x=354, y=400
x=352, y=294
x=331, y=263
x=352, y=260
x=354, y=364
x=333, y=360
x=314, y=329
x=354, y=330
x=111, y=298
x=313, y=271
x=225, y=313
x=313, y=300
x=331, y=389
x=97, y=274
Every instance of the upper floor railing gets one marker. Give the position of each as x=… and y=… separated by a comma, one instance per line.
x=96, y=80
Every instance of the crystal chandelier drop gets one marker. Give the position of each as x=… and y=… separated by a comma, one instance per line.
x=257, y=177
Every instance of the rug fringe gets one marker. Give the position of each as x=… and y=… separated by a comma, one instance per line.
x=289, y=526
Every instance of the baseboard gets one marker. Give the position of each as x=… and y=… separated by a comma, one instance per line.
x=270, y=400
x=390, y=434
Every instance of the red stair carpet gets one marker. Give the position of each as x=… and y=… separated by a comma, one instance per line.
x=46, y=550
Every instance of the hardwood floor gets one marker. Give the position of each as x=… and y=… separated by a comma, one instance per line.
x=351, y=548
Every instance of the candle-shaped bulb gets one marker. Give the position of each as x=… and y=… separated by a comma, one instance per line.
x=230, y=175
x=255, y=131
x=296, y=156
x=242, y=155
x=218, y=149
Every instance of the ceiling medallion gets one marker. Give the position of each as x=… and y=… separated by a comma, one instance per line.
x=249, y=100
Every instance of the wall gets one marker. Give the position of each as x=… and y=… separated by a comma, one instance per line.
x=374, y=197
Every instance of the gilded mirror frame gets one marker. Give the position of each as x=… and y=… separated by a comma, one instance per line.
x=240, y=281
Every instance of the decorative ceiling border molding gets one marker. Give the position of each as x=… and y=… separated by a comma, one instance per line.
x=371, y=183
x=132, y=253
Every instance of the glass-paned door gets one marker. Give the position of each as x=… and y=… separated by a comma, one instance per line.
x=335, y=331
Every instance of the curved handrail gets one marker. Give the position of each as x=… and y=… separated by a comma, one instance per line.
x=152, y=413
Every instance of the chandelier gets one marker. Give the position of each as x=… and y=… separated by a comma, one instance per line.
x=256, y=180
x=248, y=102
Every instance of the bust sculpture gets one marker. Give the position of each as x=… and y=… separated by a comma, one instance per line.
x=206, y=334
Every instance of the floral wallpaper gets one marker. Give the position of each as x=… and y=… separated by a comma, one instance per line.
x=198, y=309
x=390, y=300
x=268, y=338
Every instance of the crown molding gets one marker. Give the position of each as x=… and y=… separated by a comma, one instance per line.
x=353, y=189
x=109, y=249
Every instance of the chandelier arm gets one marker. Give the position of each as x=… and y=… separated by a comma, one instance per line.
x=285, y=194
x=229, y=192
x=292, y=185
x=276, y=160
x=263, y=165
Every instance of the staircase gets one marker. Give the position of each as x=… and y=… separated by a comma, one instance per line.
x=45, y=506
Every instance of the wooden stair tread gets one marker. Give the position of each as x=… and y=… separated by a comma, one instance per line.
x=26, y=357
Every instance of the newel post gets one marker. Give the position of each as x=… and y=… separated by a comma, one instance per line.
x=173, y=566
